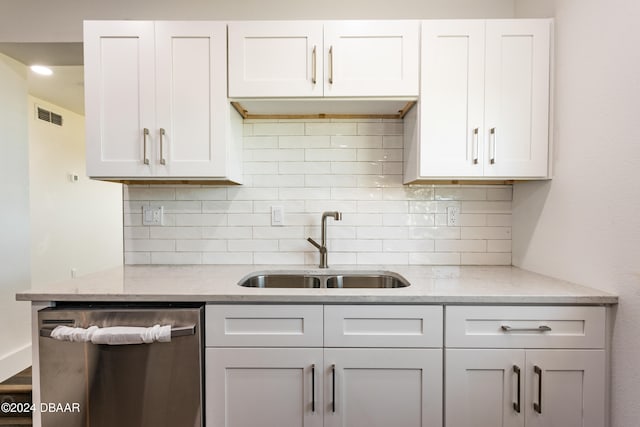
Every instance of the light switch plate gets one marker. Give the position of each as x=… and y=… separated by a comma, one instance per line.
x=277, y=216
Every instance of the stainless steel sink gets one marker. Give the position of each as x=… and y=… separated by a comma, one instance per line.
x=281, y=281
x=345, y=280
x=366, y=281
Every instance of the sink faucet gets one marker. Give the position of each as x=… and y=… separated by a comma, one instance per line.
x=322, y=246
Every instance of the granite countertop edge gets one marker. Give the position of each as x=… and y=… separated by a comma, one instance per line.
x=219, y=284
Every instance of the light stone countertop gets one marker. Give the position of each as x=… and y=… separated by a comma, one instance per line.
x=219, y=283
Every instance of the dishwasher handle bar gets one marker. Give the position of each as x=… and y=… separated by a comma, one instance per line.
x=176, y=331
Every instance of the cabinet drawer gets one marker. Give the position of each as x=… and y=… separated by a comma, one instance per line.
x=263, y=326
x=382, y=326
x=525, y=327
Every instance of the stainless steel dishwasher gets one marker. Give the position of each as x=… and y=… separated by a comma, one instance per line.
x=136, y=385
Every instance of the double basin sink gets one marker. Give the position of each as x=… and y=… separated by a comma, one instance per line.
x=346, y=280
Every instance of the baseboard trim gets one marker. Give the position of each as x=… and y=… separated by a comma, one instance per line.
x=14, y=362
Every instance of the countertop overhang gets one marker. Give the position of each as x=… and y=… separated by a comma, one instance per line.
x=219, y=284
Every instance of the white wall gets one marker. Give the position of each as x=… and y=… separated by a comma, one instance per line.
x=63, y=21
x=73, y=225
x=584, y=226
x=15, y=319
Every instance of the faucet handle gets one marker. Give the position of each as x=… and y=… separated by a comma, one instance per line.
x=314, y=243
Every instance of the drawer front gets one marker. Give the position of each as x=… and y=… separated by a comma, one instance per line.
x=524, y=327
x=263, y=326
x=382, y=326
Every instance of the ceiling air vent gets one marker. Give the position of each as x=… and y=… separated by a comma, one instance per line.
x=48, y=116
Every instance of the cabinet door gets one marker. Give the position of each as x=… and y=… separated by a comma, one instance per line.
x=482, y=388
x=383, y=387
x=263, y=387
x=366, y=58
x=275, y=59
x=517, y=98
x=452, y=97
x=119, y=97
x=573, y=387
x=191, y=99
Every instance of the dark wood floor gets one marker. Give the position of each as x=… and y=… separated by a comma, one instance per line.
x=16, y=389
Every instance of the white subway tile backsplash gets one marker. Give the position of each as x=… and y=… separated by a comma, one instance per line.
x=277, y=129
x=226, y=232
x=383, y=233
x=382, y=258
x=379, y=155
x=494, y=233
x=274, y=155
x=311, y=166
x=227, y=258
x=384, y=128
x=227, y=206
x=175, y=232
x=301, y=168
x=177, y=258
x=253, y=245
x=366, y=141
x=195, y=220
x=201, y=245
x=332, y=129
x=460, y=246
x=357, y=168
x=200, y=193
x=321, y=141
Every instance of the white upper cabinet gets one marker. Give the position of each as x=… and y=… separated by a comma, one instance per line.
x=371, y=58
x=275, y=59
x=156, y=104
x=484, y=101
x=517, y=98
x=314, y=59
x=119, y=63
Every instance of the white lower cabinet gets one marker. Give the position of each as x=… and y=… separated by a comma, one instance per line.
x=266, y=387
x=525, y=386
x=311, y=385
x=383, y=387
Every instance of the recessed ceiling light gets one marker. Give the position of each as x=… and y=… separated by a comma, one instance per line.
x=40, y=69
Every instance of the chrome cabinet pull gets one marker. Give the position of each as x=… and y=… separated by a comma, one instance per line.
x=475, y=146
x=145, y=134
x=543, y=328
x=538, y=406
x=331, y=65
x=313, y=388
x=314, y=66
x=333, y=388
x=492, y=147
x=163, y=161
x=516, y=404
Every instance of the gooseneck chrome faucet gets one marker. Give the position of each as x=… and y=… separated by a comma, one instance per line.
x=322, y=246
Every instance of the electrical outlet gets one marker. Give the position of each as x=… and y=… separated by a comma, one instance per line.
x=152, y=215
x=453, y=216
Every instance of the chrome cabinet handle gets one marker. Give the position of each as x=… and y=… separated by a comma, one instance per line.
x=163, y=161
x=516, y=404
x=331, y=65
x=492, y=147
x=145, y=134
x=543, y=328
x=475, y=146
x=538, y=406
x=313, y=388
x=314, y=66
x=333, y=388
